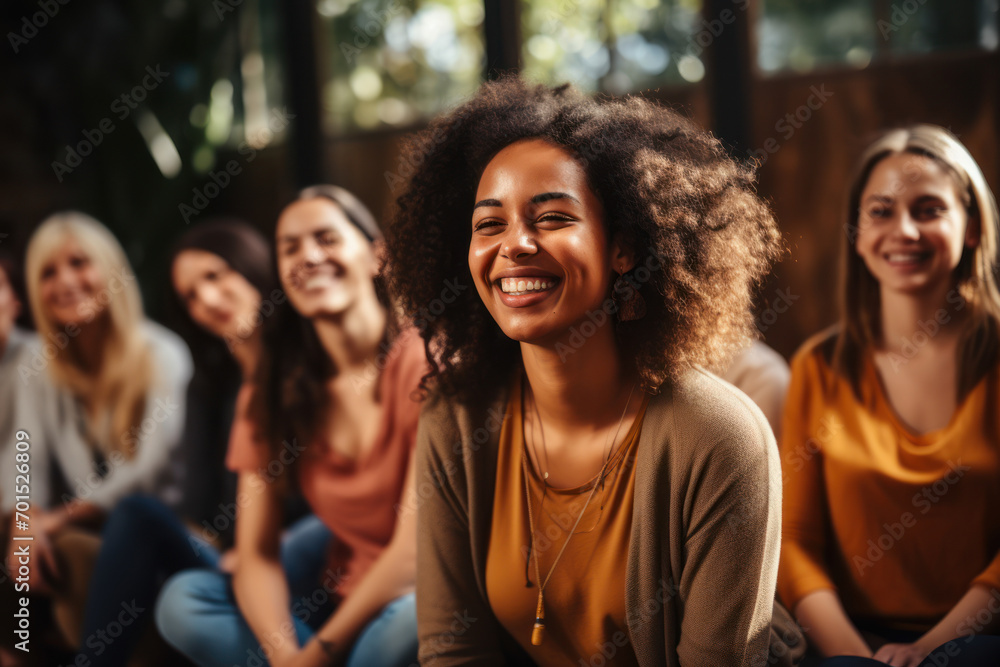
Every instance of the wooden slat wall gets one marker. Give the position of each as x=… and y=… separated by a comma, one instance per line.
x=807, y=178
x=360, y=163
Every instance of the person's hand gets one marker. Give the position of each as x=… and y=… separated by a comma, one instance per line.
x=901, y=655
x=43, y=568
x=50, y=523
x=311, y=655
x=228, y=560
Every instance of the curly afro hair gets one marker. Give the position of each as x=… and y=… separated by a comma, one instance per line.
x=703, y=240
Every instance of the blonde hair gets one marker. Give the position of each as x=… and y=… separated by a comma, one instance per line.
x=975, y=275
x=115, y=394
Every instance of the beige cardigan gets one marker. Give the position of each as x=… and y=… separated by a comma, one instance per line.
x=703, y=553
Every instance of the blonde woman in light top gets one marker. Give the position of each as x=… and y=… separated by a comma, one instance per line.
x=100, y=393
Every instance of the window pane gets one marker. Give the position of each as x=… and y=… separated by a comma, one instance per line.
x=564, y=40
x=241, y=96
x=939, y=25
x=615, y=46
x=801, y=35
x=262, y=72
x=393, y=62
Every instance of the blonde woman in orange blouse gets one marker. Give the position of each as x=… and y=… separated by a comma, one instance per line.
x=890, y=447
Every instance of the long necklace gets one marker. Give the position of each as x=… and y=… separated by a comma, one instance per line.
x=611, y=456
x=545, y=471
x=538, y=630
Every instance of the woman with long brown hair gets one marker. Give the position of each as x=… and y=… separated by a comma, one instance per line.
x=222, y=280
x=330, y=412
x=891, y=545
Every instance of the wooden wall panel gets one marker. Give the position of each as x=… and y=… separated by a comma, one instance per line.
x=807, y=176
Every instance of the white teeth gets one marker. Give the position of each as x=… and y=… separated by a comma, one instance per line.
x=517, y=287
x=908, y=257
x=315, y=281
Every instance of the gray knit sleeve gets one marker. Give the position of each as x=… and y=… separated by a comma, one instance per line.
x=28, y=397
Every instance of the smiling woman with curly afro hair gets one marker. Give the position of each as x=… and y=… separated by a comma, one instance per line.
x=586, y=467
x=666, y=185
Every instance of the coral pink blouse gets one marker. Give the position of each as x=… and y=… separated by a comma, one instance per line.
x=358, y=499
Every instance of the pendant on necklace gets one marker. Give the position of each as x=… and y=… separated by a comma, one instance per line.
x=538, y=631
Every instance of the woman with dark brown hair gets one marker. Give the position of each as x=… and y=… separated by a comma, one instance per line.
x=588, y=493
x=221, y=275
x=891, y=545
x=329, y=412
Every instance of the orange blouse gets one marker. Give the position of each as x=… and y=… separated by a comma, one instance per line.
x=901, y=525
x=585, y=597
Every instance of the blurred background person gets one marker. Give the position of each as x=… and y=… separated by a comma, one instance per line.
x=222, y=289
x=762, y=374
x=891, y=539
x=221, y=273
x=12, y=339
x=100, y=394
x=331, y=411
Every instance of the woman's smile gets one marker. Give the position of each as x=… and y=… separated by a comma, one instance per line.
x=525, y=286
x=907, y=260
x=324, y=261
x=316, y=278
x=539, y=244
x=914, y=225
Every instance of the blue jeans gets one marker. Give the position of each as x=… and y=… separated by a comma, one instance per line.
x=143, y=543
x=977, y=651
x=198, y=615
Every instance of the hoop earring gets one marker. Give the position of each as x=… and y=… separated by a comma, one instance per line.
x=629, y=303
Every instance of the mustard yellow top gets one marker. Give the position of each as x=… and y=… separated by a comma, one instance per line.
x=900, y=524
x=585, y=597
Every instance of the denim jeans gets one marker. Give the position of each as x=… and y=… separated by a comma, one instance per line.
x=198, y=615
x=143, y=543
x=975, y=651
